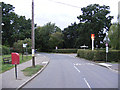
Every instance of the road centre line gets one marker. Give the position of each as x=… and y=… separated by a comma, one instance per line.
x=87, y=84
x=76, y=68
x=84, y=78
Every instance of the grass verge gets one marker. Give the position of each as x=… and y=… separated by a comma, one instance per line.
x=6, y=67
x=29, y=71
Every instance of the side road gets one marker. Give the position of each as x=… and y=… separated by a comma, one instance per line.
x=8, y=77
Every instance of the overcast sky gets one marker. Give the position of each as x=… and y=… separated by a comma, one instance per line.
x=60, y=12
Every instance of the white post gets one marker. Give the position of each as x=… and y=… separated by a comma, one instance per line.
x=92, y=44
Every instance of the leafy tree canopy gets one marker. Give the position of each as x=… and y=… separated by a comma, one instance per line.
x=94, y=20
x=44, y=35
x=15, y=27
x=113, y=34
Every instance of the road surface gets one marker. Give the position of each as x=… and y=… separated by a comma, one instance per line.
x=68, y=71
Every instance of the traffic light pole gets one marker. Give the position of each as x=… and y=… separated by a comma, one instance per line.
x=92, y=44
x=33, y=36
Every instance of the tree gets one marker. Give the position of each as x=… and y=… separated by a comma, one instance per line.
x=113, y=34
x=70, y=35
x=15, y=27
x=7, y=11
x=96, y=18
x=56, y=39
x=43, y=35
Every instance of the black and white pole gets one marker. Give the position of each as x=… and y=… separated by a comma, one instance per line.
x=106, y=46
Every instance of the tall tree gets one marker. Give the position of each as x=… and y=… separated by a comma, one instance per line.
x=56, y=39
x=43, y=35
x=70, y=35
x=7, y=11
x=113, y=34
x=15, y=27
x=96, y=18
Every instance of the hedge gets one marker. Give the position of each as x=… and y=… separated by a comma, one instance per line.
x=5, y=50
x=65, y=51
x=99, y=55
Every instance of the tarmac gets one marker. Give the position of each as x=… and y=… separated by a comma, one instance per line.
x=8, y=80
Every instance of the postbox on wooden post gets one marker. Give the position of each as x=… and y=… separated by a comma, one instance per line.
x=15, y=60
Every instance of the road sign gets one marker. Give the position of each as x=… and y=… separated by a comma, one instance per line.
x=106, y=39
x=106, y=44
x=56, y=47
x=24, y=45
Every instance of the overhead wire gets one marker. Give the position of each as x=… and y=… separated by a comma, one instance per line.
x=65, y=4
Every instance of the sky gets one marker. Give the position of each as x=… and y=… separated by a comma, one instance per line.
x=60, y=12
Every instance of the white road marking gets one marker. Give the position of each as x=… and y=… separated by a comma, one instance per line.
x=45, y=62
x=76, y=68
x=90, y=63
x=77, y=64
x=83, y=64
x=87, y=83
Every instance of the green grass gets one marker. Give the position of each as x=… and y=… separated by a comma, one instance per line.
x=6, y=67
x=29, y=71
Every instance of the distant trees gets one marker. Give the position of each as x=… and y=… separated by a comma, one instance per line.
x=14, y=27
x=113, y=34
x=48, y=36
x=56, y=39
x=94, y=20
x=70, y=36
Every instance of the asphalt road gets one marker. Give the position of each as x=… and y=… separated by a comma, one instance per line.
x=68, y=71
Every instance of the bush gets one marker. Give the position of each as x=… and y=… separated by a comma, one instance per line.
x=18, y=46
x=99, y=55
x=65, y=50
x=5, y=50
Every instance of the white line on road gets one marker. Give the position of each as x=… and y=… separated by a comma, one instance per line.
x=76, y=68
x=87, y=83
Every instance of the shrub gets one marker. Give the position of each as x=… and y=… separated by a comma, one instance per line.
x=18, y=46
x=65, y=50
x=5, y=50
x=99, y=55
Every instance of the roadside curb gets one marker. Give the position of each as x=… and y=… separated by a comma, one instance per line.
x=22, y=85
x=107, y=67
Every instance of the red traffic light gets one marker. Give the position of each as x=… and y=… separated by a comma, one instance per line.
x=92, y=36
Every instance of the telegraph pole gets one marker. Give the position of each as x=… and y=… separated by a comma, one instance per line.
x=33, y=36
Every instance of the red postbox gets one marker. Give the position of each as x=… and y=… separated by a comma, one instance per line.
x=15, y=58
